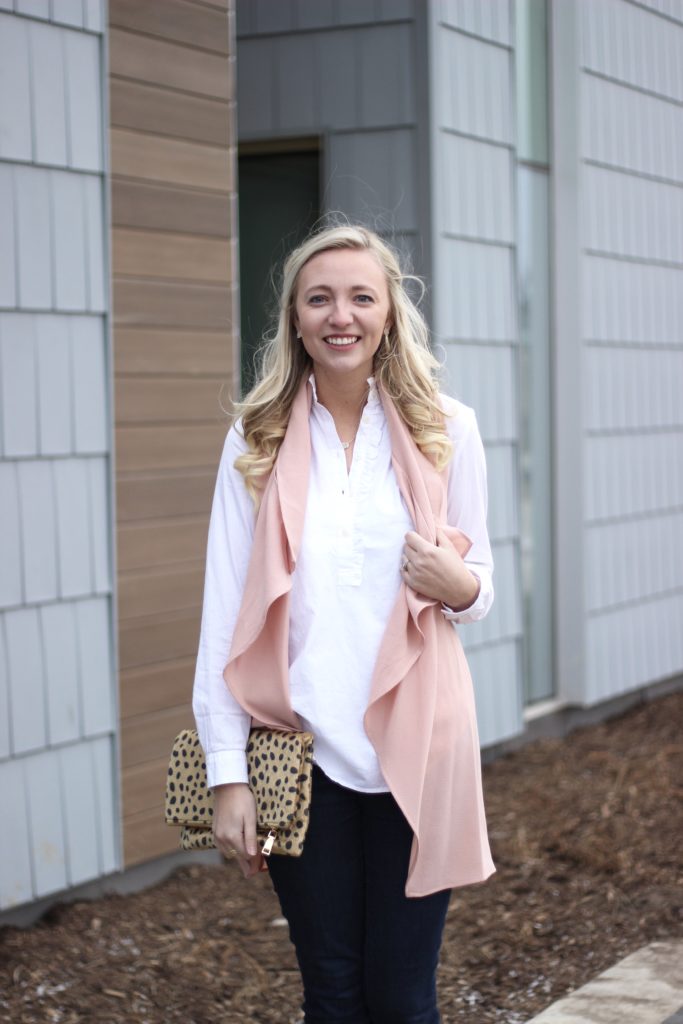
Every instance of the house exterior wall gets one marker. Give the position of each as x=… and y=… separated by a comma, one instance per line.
x=172, y=117
x=631, y=145
x=474, y=316
x=58, y=779
x=347, y=73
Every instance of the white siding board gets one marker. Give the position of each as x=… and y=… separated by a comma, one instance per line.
x=5, y=745
x=373, y=178
x=34, y=8
x=501, y=471
x=482, y=376
x=94, y=15
x=73, y=527
x=49, y=105
x=18, y=384
x=83, y=90
x=11, y=587
x=476, y=184
x=60, y=645
x=38, y=534
x=16, y=884
x=475, y=298
x=46, y=829
x=79, y=799
x=633, y=474
x=476, y=95
x=95, y=244
x=8, y=279
x=25, y=666
x=68, y=12
x=633, y=388
x=95, y=668
x=631, y=130
x=631, y=302
x=89, y=384
x=54, y=385
x=15, y=109
x=34, y=240
x=497, y=691
x=98, y=487
x=654, y=565
x=625, y=42
x=70, y=241
x=491, y=20
x=102, y=753
x=630, y=216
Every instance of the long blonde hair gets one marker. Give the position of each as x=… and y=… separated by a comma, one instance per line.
x=405, y=369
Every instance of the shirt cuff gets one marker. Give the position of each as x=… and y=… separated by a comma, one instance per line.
x=478, y=609
x=225, y=766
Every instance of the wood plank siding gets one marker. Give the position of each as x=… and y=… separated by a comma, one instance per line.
x=173, y=195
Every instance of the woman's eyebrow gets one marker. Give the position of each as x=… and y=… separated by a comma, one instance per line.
x=354, y=288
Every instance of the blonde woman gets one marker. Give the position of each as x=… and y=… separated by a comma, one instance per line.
x=347, y=543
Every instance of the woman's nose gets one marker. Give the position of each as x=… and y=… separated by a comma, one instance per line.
x=341, y=314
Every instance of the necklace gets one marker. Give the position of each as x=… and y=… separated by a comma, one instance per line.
x=346, y=444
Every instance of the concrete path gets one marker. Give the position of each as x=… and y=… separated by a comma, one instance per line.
x=644, y=988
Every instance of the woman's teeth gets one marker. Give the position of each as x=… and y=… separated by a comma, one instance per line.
x=339, y=342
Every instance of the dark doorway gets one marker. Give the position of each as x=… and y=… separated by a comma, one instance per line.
x=279, y=201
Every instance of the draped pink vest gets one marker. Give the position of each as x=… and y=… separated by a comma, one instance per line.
x=421, y=716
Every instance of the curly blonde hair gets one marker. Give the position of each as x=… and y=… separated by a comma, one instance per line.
x=404, y=367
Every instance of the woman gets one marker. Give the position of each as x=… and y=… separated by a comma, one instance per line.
x=347, y=539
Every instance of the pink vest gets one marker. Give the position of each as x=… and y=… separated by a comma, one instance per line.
x=421, y=716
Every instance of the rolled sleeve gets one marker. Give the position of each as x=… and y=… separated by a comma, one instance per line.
x=468, y=506
x=222, y=724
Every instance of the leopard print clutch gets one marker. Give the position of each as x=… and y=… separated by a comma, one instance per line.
x=280, y=766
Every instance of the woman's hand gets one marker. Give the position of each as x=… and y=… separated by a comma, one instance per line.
x=234, y=826
x=438, y=571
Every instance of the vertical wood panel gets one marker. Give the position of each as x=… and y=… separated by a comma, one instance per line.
x=173, y=140
x=97, y=250
x=102, y=753
x=98, y=491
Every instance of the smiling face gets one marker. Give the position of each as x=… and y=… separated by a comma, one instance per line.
x=342, y=309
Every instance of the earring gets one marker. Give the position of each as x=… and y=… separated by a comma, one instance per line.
x=386, y=335
x=298, y=334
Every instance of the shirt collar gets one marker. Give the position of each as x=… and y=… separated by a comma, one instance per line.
x=373, y=397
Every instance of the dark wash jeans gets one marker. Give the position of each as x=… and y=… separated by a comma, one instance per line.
x=367, y=953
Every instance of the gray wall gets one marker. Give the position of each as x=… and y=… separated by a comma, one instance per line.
x=58, y=778
x=472, y=134
x=631, y=240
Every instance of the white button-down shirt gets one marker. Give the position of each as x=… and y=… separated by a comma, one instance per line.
x=343, y=589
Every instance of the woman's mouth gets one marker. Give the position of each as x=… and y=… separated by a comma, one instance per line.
x=341, y=341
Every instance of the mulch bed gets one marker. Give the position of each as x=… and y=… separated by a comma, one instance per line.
x=586, y=835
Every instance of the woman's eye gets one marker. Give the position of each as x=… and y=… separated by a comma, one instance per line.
x=368, y=297
x=314, y=299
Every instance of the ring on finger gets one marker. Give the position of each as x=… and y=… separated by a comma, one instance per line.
x=405, y=564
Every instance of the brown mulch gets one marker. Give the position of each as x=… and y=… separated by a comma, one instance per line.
x=586, y=835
